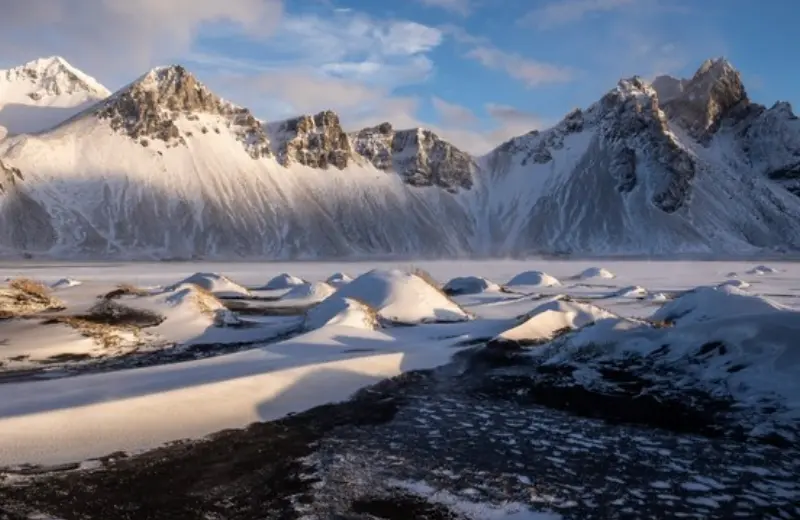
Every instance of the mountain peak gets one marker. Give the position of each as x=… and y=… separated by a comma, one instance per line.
x=51, y=76
x=153, y=105
x=701, y=103
x=717, y=67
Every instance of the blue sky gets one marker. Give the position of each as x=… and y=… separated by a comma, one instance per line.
x=477, y=71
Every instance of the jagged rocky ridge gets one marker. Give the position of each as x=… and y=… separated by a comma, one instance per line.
x=418, y=155
x=679, y=165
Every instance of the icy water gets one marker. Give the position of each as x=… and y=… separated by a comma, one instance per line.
x=425, y=446
x=496, y=458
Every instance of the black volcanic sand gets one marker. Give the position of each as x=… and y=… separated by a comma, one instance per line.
x=426, y=445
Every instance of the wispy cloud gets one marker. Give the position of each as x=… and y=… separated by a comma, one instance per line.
x=452, y=114
x=112, y=38
x=563, y=12
x=531, y=72
x=461, y=7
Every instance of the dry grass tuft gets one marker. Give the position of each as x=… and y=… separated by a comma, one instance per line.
x=24, y=297
x=125, y=289
x=206, y=301
x=111, y=324
x=202, y=290
x=31, y=288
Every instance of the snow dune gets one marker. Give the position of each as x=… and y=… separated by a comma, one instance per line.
x=339, y=310
x=283, y=281
x=403, y=297
x=596, y=272
x=533, y=279
x=555, y=315
x=469, y=285
x=220, y=285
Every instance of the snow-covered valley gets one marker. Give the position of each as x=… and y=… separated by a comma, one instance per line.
x=469, y=389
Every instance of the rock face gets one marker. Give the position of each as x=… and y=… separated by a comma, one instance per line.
x=700, y=104
x=149, y=107
x=632, y=120
x=315, y=141
x=771, y=143
x=8, y=177
x=418, y=155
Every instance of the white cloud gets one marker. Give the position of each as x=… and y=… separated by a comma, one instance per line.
x=461, y=126
x=344, y=60
x=462, y=7
x=513, y=118
x=563, y=12
x=343, y=35
x=114, y=37
x=452, y=114
x=530, y=72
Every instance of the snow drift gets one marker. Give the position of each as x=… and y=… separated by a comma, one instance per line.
x=533, y=279
x=341, y=311
x=469, y=285
x=284, y=281
x=548, y=319
x=219, y=285
x=402, y=297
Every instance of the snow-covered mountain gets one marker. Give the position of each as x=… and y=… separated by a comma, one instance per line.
x=40, y=94
x=165, y=168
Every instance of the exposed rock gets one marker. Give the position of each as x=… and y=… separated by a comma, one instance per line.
x=418, y=155
x=707, y=98
x=315, y=141
x=8, y=177
x=632, y=114
x=624, y=165
x=771, y=143
x=149, y=107
x=668, y=88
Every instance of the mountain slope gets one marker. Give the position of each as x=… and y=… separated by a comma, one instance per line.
x=40, y=94
x=165, y=168
x=694, y=174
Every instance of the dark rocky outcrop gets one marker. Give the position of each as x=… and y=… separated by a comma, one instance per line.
x=418, y=155
x=701, y=103
x=315, y=141
x=632, y=113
